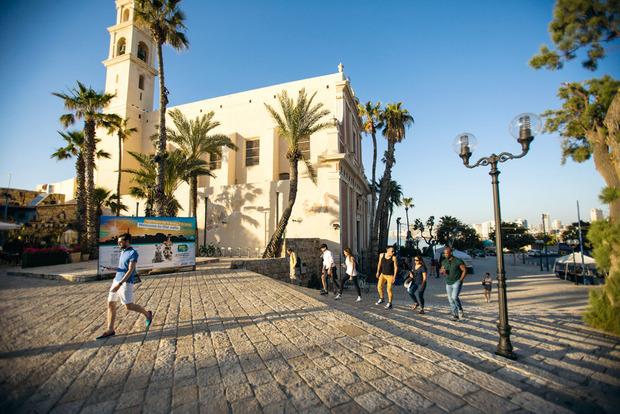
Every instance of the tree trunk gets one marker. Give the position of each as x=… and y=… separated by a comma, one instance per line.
x=373, y=193
x=604, y=163
x=193, y=195
x=408, y=233
x=275, y=243
x=81, y=203
x=612, y=124
x=160, y=155
x=383, y=198
x=91, y=207
x=118, y=181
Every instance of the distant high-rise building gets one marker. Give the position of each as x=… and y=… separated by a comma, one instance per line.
x=596, y=214
x=485, y=229
x=522, y=222
x=546, y=221
x=556, y=225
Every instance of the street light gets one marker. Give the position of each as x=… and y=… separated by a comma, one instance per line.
x=398, y=232
x=523, y=127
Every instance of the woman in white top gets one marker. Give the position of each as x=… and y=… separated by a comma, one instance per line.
x=350, y=272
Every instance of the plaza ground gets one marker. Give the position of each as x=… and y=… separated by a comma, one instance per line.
x=235, y=341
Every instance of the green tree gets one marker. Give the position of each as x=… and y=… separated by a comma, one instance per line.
x=589, y=123
x=395, y=120
x=424, y=227
x=408, y=203
x=297, y=120
x=514, y=237
x=84, y=103
x=371, y=114
x=74, y=147
x=195, y=142
x=395, y=199
x=456, y=234
x=178, y=170
x=572, y=233
x=123, y=131
x=165, y=22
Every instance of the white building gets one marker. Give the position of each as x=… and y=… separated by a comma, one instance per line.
x=251, y=184
x=522, y=222
x=546, y=220
x=556, y=225
x=596, y=214
x=485, y=229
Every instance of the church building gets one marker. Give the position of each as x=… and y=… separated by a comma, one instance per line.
x=250, y=188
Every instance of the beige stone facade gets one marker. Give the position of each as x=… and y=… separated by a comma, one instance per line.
x=250, y=187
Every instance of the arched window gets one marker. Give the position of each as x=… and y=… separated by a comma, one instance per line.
x=120, y=46
x=141, y=82
x=126, y=15
x=143, y=52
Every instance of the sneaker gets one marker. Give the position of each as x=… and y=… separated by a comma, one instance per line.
x=359, y=299
x=149, y=319
x=379, y=302
x=422, y=311
x=323, y=292
x=455, y=317
x=338, y=296
x=389, y=305
x=461, y=315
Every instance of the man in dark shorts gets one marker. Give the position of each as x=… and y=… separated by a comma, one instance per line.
x=454, y=271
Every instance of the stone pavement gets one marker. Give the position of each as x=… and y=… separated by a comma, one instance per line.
x=234, y=341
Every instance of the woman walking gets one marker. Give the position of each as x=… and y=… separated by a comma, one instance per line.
x=350, y=273
x=416, y=283
x=487, y=283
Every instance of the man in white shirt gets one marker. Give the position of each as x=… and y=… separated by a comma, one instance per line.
x=328, y=268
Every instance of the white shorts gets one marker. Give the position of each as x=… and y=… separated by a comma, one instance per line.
x=125, y=293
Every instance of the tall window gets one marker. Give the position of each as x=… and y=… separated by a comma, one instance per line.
x=141, y=82
x=215, y=161
x=252, y=152
x=126, y=15
x=120, y=46
x=143, y=52
x=304, y=146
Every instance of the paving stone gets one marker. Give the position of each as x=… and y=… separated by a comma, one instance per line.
x=218, y=346
x=372, y=401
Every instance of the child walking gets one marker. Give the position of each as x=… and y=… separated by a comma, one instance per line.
x=487, y=283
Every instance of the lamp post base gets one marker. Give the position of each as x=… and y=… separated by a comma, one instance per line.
x=504, y=347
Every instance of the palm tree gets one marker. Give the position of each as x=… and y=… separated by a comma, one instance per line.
x=298, y=120
x=194, y=141
x=178, y=170
x=371, y=120
x=395, y=121
x=408, y=203
x=164, y=21
x=84, y=103
x=120, y=126
x=395, y=199
x=74, y=148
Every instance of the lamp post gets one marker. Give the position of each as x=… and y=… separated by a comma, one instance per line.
x=522, y=128
x=398, y=232
x=544, y=245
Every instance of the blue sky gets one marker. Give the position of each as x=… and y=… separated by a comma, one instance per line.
x=457, y=66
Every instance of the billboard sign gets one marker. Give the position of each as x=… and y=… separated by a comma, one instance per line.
x=161, y=242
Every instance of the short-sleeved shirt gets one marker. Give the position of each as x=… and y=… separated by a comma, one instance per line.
x=127, y=255
x=452, y=268
x=328, y=260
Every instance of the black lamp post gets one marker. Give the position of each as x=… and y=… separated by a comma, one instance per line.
x=522, y=128
x=398, y=232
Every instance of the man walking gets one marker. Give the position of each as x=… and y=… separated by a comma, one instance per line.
x=454, y=271
x=123, y=284
x=328, y=268
x=294, y=266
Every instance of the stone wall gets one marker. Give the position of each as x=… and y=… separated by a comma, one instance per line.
x=308, y=250
x=274, y=268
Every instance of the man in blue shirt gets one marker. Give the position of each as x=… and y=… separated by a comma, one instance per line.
x=122, y=286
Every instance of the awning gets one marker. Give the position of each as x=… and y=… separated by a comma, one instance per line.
x=9, y=226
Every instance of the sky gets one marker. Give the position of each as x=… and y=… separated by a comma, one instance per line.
x=456, y=66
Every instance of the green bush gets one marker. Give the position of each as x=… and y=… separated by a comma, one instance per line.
x=33, y=257
x=603, y=311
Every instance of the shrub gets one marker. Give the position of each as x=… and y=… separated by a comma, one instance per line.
x=33, y=257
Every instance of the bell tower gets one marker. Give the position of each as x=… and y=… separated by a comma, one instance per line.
x=130, y=76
